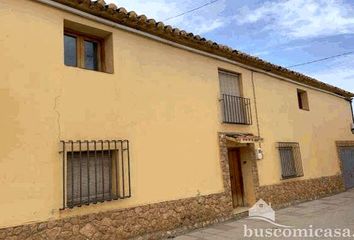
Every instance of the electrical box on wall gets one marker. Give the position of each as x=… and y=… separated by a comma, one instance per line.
x=259, y=153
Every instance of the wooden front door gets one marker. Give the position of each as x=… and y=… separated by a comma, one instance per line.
x=236, y=177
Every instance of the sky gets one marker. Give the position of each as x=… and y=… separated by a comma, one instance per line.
x=284, y=32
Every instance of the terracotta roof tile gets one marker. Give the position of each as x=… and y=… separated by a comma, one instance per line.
x=120, y=15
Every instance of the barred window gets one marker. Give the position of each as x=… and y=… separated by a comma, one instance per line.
x=290, y=158
x=95, y=171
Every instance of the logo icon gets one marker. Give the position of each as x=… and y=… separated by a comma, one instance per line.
x=262, y=211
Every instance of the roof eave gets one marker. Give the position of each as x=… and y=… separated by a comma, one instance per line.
x=131, y=19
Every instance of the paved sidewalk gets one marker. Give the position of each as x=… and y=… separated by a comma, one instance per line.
x=331, y=212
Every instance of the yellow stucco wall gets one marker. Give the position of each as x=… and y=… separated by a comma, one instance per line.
x=316, y=130
x=163, y=99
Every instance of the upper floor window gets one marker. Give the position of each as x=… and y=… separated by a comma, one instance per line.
x=88, y=48
x=229, y=83
x=303, y=100
x=235, y=109
x=70, y=50
x=84, y=52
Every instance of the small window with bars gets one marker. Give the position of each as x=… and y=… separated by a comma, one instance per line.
x=290, y=158
x=95, y=171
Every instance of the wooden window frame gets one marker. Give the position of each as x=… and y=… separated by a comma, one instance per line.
x=80, y=49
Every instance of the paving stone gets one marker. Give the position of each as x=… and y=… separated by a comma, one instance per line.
x=186, y=238
x=212, y=230
x=330, y=213
x=223, y=227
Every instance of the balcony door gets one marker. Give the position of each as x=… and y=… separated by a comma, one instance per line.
x=235, y=108
x=229, y=84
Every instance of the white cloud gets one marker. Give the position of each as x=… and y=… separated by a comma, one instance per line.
x=210, y=26
x=157, y=9
x=201, y=24
x=201, y=21
x=302, y=18
x=338, y=72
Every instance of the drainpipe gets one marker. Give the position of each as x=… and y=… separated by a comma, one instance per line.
x=351, y=107
x=255, y=107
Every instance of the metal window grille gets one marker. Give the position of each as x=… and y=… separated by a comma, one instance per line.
x=290, y=158
x=236, y=109
x=95, y=171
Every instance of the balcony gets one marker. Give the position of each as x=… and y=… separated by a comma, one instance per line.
x=236, y=110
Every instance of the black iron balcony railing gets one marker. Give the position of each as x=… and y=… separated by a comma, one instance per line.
x=236, y=110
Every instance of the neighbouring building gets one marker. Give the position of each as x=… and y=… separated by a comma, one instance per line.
x=114, y=126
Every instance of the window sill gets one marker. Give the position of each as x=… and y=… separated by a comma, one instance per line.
x=93, y=204
x=90, y=70
x=290, y=178
x=237, y=123
x=85, y=202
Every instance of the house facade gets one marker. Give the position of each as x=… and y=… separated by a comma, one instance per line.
x=117, y=126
